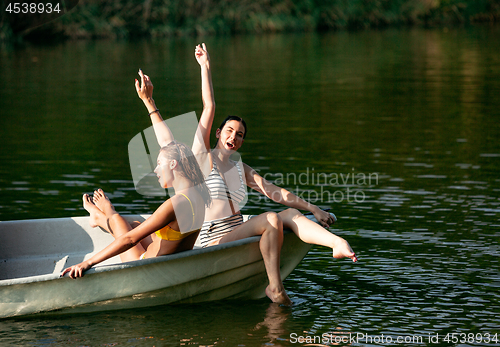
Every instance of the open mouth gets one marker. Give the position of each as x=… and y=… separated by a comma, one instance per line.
x=230, y=145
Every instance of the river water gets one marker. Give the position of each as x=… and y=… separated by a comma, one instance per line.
x=396, y=131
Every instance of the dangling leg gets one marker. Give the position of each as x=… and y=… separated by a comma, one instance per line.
x=313, y=233
x=270, y=227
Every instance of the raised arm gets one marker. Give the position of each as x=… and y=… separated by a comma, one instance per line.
x=283, y=196
x=145, y=92
x=161, y=217
x=201, y=142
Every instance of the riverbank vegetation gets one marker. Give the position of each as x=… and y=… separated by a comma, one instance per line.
x=123, y=19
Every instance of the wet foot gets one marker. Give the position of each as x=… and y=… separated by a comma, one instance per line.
x=343, y=250
x=96, y=215
x=103, y=203
x=278, y=296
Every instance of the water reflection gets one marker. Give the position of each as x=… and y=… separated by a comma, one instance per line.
x=273, y=325
x=253, y=323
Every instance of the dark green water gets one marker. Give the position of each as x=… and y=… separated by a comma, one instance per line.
x=417, y=112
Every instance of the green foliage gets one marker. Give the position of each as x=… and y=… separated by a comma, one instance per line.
x=157, y=18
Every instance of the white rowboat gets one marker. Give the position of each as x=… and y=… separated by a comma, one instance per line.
x=34, y=252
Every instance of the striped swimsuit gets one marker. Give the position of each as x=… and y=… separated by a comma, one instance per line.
x=217, y=228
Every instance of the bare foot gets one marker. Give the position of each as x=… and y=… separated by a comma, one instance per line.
x=278, y=296
x=103, y=203
x=96, y=215
x=341, y=249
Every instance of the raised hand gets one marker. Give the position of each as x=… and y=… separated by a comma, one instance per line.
x=201, y=54
x=145, y=89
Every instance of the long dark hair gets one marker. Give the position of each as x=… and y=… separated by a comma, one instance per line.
x=188, y=166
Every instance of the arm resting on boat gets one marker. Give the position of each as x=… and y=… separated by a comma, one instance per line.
x=145, y=92
x=284, y=197
x=160, y=218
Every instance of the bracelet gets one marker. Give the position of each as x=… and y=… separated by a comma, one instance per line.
x=150, y=113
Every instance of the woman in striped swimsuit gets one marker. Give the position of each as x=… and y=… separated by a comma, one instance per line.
x=227, y=180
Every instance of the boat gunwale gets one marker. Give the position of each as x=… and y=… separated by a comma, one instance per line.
x=135, y=263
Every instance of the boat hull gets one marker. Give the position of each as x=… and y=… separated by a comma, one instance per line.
x=232, y=270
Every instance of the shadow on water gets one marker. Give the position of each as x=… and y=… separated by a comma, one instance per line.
x=253, y=323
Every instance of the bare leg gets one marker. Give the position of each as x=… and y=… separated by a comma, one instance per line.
x=313, y=233
x=270, y=227
x=97, y=217
x=145, y=242
x=117, y=225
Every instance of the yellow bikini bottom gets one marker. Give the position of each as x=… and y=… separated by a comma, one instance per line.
x=169, y=234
